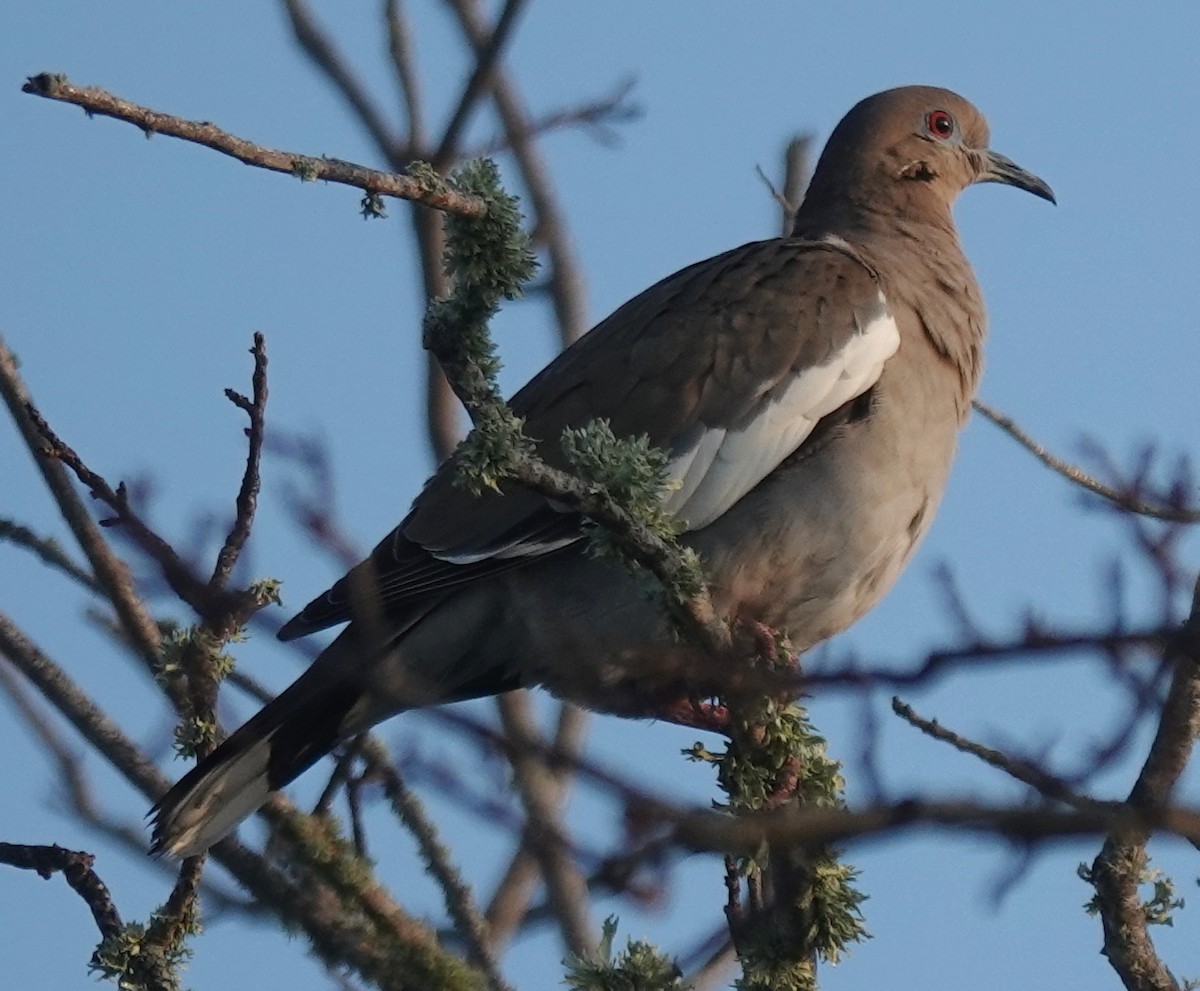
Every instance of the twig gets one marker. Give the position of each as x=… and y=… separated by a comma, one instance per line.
x=110, y=571
x=565, y=886
x=593, y=115
x=1045, y=783
x=1119, y=869
x=90, y=720
x=247, y=497
x=76, y=869
x=317, y=44
x=509, y=904
x=460, y=903
x=75, y=792
x=319, y=852
x=48, y=551
x=378, y=941
x=400, y=47
x=567, y=290
x=307, y=167
x=175, y=570
x=797, y=171
x=1125, y=500
x=442, y=411
x=486, y=56
x=1042, y=642
x=704, y=831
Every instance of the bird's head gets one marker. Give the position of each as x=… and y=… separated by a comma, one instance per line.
x=910, y=150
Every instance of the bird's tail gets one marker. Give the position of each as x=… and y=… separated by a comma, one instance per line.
x=287, y=737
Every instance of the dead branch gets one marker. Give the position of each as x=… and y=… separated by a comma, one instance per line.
x=307, y=167
x=110, y=571
x=76, y=868
x=1120, y=868
x=1123, y=500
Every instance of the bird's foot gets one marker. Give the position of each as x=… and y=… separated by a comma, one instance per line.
x=764, y=639
x=696, y=714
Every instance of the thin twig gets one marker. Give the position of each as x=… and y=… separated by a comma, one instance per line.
x=1124, y=500
x=317, y=44
x=111, y=572
x=247, y=497
x=48, y=551
x=565, y=885
x=104, y=735
x=567, y=290
x=307, y=167
x=595, y=116
x=76, y=794
x=460, y=903
x=404, y=63
x=76, y=868
x=509, y=904
x=1036, y=777
x=1035, y=641
x=486, y=57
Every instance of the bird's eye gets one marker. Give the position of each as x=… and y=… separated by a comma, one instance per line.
x=940, y=124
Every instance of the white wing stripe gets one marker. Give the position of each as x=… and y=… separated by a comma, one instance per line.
x=723, y=465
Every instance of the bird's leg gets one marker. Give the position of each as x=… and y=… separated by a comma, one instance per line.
x=695, y=713
x=763, y=638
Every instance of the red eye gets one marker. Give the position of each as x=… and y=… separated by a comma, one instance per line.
x=940, y=124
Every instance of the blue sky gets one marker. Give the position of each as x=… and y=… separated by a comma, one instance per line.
x=135, y=271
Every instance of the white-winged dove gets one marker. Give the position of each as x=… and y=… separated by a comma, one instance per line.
x=808, y=391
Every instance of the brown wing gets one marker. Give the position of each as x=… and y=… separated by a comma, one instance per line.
x=727, y=365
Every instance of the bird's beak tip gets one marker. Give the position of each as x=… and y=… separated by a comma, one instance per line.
x=999, y=168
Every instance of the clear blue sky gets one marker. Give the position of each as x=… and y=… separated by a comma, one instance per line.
x=135, y=271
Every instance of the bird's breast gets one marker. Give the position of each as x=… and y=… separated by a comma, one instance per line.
x=823, y=538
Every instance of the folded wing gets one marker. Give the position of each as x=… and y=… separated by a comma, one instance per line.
x=728, y=365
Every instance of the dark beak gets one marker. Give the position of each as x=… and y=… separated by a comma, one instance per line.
x=997, y=168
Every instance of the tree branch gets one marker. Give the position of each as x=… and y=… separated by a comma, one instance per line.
x=76, y=868
x=1123, y=500
x=110, y=571
x=1122, y=864
x=307, y=167
x=486, y=57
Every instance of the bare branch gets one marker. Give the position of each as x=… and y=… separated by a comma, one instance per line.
x=110, y=571
x=76, y=868
x=404, y=63
x=459, y=901
x=567, y=290
x=1124, y=500
x=77, y=796
x=247, y=497
x=307, y=167
x=565, y=885
x=1121, y=866
x=1034, y=641
x=486, y=57
x=48, y=551
x=595, y=116
x=510, y=901
x=704, y=831
x=1024, y=771
x=68, y=698
x=176, y=571
x=319, y=47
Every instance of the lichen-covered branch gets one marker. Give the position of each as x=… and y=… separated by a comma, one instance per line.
x=1123, y=865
